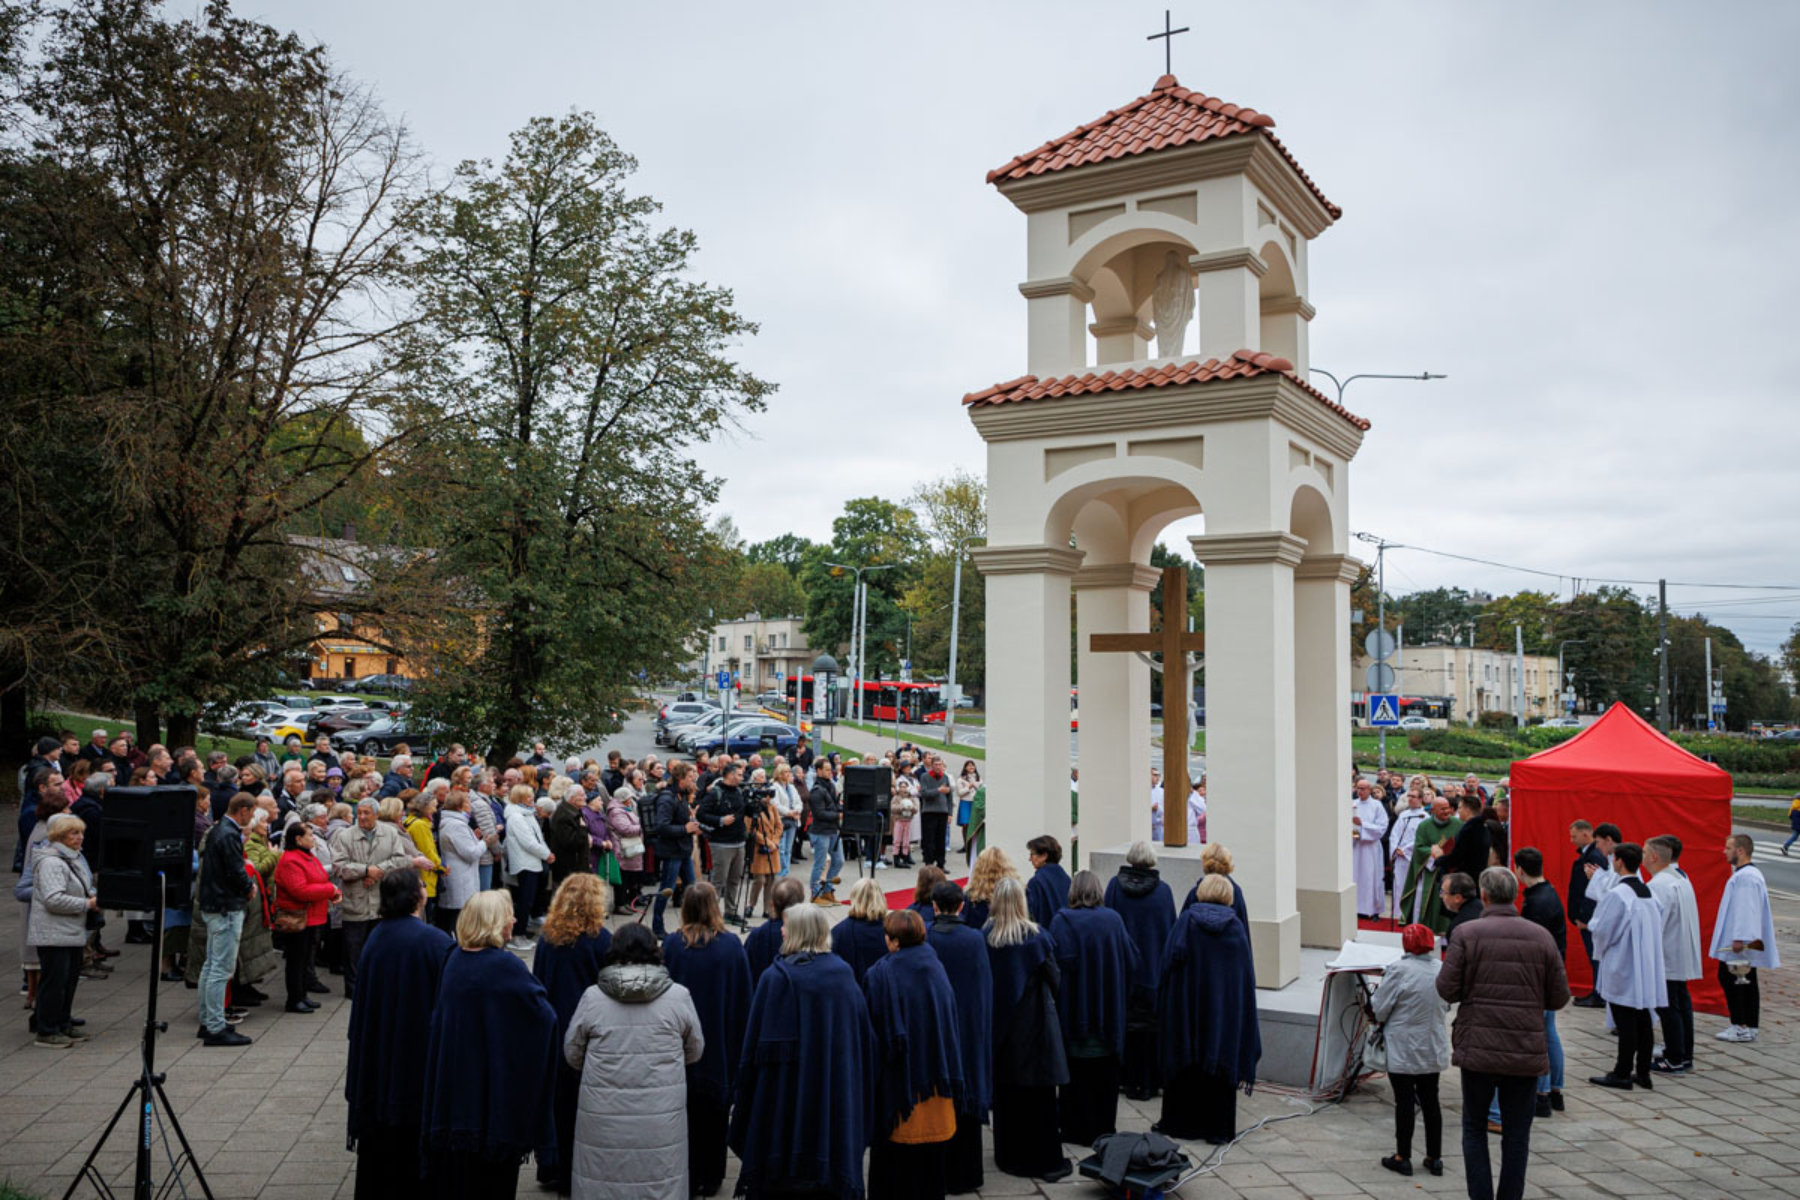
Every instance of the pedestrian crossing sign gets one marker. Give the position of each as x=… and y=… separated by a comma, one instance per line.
x=1384, y=711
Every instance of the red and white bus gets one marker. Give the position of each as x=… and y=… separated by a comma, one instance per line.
x=882, y=700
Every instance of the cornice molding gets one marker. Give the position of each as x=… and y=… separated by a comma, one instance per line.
x=1118, y=325
x=1289, y=304
x=1274, y=397
x=1283, y=549
x=1230, y=260
x=1027, y=560
x=1136, y=576
x=1339, y=567
x=1065, y=285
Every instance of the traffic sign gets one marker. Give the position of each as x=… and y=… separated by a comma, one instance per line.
x=1379, y=677
x=724, y=680
x=1379, y=644
x=1384, y=711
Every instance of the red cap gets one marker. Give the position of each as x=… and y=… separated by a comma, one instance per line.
x=1417, y=939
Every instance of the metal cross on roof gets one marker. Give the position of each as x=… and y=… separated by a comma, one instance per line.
x=1167, y=35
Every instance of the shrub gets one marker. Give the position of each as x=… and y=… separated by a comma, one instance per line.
x=1464, y=743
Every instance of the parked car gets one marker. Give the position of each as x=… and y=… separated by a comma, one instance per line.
x=771, y=700
x=696, y=737
x=1414, y=722
x=341, y=724
x=678, y=714
x=282, y=723
x=295, y=702
x=1562, y=723
x=334, y=702
x=380, y=737
x=383, y=683
x=690, y=698
x=747, y=737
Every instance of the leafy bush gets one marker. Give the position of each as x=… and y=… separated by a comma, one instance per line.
x=1467, y=743
x=1494, y=719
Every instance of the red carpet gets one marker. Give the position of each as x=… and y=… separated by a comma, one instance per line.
x=903, y=897
x=1379, y=924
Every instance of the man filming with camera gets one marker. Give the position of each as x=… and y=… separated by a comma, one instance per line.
x=721, y=818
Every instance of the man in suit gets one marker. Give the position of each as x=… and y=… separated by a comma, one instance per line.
x=1588, y=859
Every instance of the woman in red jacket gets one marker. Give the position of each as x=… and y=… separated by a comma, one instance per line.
x=301, y=886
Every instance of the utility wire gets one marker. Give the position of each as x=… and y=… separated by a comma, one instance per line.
x=1558, y=575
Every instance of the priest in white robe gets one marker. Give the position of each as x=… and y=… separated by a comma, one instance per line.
x=1743, y=940
x=1368, y=821
x=1627, y=929
x=1682, y=961
x=1401, y=837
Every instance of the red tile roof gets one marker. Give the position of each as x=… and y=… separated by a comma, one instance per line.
x=1170, y=115
x=1244, y=364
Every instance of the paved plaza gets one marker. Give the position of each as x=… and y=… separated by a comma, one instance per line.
x=269, y=1120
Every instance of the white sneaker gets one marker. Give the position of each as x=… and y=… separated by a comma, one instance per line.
x=1727, y=1034
x=1746, y=1034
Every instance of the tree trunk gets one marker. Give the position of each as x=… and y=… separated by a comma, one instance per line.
x=15, y=731
x=149, y=723
x=184, y=729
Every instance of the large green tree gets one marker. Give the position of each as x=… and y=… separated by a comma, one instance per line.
x=954, y=516
x=869, y=532
x=217, y=216
x=585, y=360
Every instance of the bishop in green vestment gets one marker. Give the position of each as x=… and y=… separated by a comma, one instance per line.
x=1421, y=902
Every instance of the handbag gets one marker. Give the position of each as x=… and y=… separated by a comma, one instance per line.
x=1375, y=1055
x=606, y=866
x=631, y=847
x=287, y=920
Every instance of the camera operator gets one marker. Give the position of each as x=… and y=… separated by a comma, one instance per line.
x=764, y=821
x=721, y=817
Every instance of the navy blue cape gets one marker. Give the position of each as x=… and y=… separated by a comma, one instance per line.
x=805, y=1107
x=1208, y=1000
x=1147, y=906
x=396, y=983
x=914, y=1015
x=490, y=1060
x=718, y=975
x=1047, y=893
x=1096, y=958
x=1027, y=1031
x=964, y=954
x=862, y=944
x=975, y=913
x=568, y=971
x=762, y=947
x=1237, y=901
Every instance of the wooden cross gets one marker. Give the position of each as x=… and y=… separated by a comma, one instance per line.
x=1168, y=41
x=1174, y=643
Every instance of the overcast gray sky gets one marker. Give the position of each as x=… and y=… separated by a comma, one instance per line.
x=1582, y=213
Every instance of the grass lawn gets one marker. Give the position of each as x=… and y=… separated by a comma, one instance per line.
x=925, y=743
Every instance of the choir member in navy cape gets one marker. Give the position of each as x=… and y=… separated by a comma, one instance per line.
x=921, y=1081
x=1210, y=1039
x=929, y=877
x=1048, y=892
x=963, y=952
x=764, y=942
x=1097, y=959
x=490, y=1063
x=713, y=967
x=570, y=951
x=859, y=938
x=1215, y=859
x=1743, y=940
x=1627, y=929
x=1029, y=1063
x=990, y=867
x=383, y=1089
x=805, y=1106
x=1147, y=906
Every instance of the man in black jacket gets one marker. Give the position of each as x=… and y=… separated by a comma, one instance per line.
x=672, y=830
x=721, y=817
x=827, y=844
x=1540, y=905
x=224, y=890
x=1462, y=900
x=1588, y=858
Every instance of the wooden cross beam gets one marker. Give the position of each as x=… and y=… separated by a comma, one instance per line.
x=1174, y=643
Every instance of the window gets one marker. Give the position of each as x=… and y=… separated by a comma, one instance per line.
x=721, y=642
x=781, y=641
x=748, y=646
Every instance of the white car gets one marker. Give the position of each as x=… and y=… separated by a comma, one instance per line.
x=1414, y=722
x=330, y=702
x=1562, y=723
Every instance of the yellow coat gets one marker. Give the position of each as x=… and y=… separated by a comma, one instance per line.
x=419, y=829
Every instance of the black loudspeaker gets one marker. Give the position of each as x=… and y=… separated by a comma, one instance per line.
x=145, y=830
x=868, y=789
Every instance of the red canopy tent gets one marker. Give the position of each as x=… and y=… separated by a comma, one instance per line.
x=1620, y=769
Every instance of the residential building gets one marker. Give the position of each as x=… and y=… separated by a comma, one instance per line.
x=764, y=652
x=1466, y=681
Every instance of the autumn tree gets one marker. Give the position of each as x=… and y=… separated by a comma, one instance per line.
x=561, y=497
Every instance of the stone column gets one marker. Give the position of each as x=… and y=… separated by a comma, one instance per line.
x=1326, y=895
x=1230, y=308
x=1056, y=321
x=1115, y=706
x=1284, y=330
x=1027, y=768
x=1122, y=339
x=1250, y=733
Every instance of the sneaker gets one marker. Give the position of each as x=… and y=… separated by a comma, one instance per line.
x=1663, y=1066
x=54, y=1041
x=1746, y=1033
x=233, y=1018
x=76, y=1035
x=1735, y=1033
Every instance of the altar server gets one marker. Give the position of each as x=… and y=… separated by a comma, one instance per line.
x=1368, y=823
x=1627, y=927
x=1674, y=895
x=1743, y=940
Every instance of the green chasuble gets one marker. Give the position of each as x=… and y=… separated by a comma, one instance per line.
x=1422, y=903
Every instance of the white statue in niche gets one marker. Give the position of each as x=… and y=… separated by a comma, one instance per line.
x=1172, y=303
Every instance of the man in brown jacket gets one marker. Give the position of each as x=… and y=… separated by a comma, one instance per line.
x=1503, y=972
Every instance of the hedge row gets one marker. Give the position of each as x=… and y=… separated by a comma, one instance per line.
x=1769, y=763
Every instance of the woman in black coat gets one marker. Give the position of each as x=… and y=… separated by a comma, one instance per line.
x=1029, y=1064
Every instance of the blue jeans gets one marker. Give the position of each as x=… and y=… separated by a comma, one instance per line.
x=1549, y=1081
x=672, y=869
x=486, y=871
x=222, y=932
x=787, y=847
x=1791, y=840
x=826, y=846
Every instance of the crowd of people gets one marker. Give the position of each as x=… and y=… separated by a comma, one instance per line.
x=627, y=1060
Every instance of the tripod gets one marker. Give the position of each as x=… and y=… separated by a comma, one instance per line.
x=146, y=1091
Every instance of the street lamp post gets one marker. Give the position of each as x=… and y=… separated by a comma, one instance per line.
x=1562, y=679
x=859, y=626
x=1343, y=385
x=955, y=617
